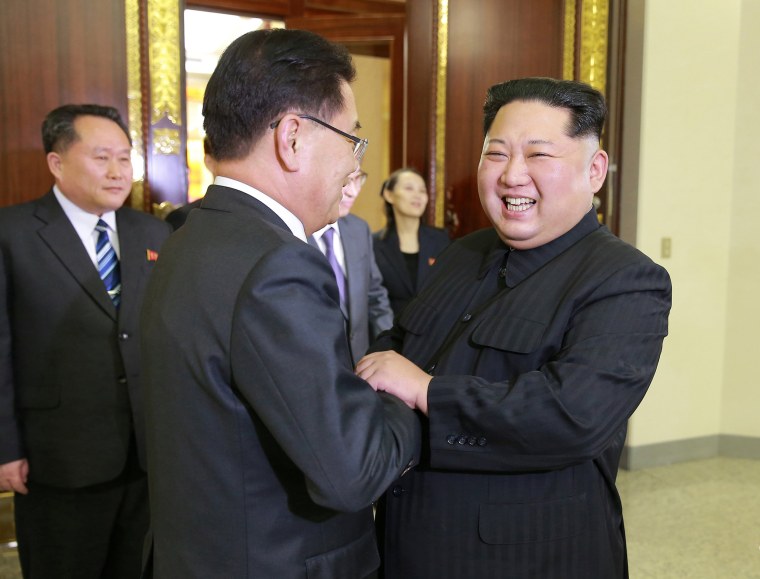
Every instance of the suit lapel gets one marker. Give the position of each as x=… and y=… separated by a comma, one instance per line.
x=132, y=261
x=62, y=239
x=391, y=248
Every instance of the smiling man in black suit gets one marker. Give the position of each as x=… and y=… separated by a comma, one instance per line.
x=528, y=350
x=73, y=269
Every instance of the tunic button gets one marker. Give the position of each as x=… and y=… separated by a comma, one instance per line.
x=124, y=336
x=472, y=441
x=466, y=317
x=482, y=441
x=462, y=440
x=398, y=490
x=451, y=438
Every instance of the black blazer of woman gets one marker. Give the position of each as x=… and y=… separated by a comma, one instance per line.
x=401, y=288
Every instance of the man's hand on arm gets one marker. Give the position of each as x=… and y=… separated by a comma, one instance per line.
x=390, y=372
x=13, y=476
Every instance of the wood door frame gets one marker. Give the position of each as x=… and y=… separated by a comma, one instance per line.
x=384, y=34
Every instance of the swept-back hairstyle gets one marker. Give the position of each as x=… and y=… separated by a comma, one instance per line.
x=267, y=73
x=390, y=184
x=588, y=110
x=58, y=131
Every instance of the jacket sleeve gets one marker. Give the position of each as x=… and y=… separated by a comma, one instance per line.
x=380, y=313
x=591, y=363
x=349, y=442
x=10, y=437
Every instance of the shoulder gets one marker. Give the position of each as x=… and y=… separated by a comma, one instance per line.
x=383, y=237
x=353, y=223
x=606, y=258
x=138, y=220
x=471, y=247
x=435, y=237
x=16, y=218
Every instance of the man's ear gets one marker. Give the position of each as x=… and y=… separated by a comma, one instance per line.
x=289, y=135
x=55, y=164
x=598, y=169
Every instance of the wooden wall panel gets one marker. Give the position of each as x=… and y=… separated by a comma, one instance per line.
x=52, y=52
x=490, y=41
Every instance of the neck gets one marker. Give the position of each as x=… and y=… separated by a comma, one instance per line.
x=408, y=229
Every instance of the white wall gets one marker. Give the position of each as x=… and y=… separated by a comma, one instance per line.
x=741, y=385
x=698, y=129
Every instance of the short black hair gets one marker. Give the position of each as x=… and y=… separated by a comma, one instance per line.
x=58, y=131
x=266, y=73
x=588, y=111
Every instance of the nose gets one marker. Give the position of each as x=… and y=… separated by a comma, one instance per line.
x=515, y=172
x=114, y=169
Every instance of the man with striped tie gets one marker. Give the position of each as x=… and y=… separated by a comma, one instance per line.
x=73, y=267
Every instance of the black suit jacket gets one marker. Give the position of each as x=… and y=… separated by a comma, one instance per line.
x=368, y=310
x=390, y=261
x=70, y=395
x=535, y=376
x=265, y=450
x=178, y=217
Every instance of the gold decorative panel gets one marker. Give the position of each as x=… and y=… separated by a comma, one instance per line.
x=134, y=99
x=165, y=65
x=442, y=47
x=568, y=52
x=593, y=43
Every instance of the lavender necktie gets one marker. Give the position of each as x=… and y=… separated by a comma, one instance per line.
x=330, y=254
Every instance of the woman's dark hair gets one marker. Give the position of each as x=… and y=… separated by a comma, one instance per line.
x=267, y=73
x=390, y=184
x=58, y=131
x=588, y=110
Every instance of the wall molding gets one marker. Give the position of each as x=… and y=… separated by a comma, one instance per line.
x=664, y=453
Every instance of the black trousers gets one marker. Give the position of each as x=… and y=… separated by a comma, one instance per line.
x=94, y=532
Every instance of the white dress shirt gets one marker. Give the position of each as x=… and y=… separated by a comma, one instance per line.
x=84, y=223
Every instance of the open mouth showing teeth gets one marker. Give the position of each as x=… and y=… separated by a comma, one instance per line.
x=518, y=204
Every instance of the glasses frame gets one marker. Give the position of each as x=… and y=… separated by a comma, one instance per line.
x=360, y=145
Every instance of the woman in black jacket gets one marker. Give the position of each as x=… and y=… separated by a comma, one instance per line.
x=406, y=249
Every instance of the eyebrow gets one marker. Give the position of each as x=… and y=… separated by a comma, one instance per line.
x=530, y=141
x=98, y=149
x=540, y=142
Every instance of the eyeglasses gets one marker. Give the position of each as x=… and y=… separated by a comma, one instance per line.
x=360, y=145
x=360, y=177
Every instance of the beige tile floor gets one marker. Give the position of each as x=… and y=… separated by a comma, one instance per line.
x=693, y=520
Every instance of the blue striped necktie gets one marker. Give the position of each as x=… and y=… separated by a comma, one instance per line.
x=108, y=263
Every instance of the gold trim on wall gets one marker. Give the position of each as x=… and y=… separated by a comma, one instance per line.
x=134, y=98
x=593, y=43
x=165, y=65
x=440, y=111
x=568, y=51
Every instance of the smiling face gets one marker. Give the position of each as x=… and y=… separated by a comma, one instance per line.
x=409, y=196
x=95, y=171
x=535, y=182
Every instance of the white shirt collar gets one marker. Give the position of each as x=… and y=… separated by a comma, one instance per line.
x=320, y=232
x=84, y=224
x=293, y=223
